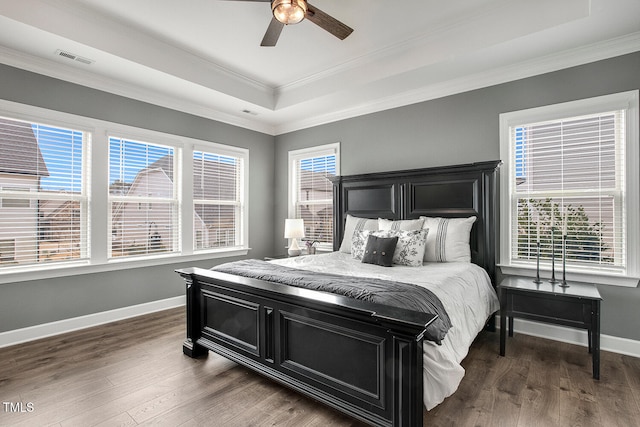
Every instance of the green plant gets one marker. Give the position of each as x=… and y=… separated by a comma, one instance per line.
x=536, y=218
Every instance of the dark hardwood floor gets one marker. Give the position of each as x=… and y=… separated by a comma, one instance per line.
x=133, y=372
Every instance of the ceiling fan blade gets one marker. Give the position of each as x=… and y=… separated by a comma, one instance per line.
x=273, y=33
x=327, y=22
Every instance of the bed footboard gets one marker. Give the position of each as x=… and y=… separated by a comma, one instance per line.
x=361, y=358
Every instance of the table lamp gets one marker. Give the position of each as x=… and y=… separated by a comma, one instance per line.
x=294, y=229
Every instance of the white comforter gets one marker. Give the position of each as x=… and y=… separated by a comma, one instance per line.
x=465, y=291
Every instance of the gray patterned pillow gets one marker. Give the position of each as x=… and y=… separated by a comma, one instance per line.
x=410, y=248
x=359, y=242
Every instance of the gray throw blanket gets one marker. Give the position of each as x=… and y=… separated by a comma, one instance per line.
x=387, y=292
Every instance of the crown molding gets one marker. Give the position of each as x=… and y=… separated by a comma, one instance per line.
x=93, y=17
x=117, y=87
x=136, y=46
x=476, y=18
x=378, y=56
x=546, y=64
x=549, y=63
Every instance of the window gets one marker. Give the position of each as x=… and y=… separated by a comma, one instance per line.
x=571, y=175
x=80, y=195
x=217, y=200
x=143, y=198
x=311, y=193
x=43, y=194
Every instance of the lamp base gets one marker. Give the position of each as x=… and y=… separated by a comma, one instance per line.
x=294, y=249
x=295, y=252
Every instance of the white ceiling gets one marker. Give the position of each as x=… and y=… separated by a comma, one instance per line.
x=204, y=56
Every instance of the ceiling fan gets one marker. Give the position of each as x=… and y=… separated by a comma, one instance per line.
x=288, y=12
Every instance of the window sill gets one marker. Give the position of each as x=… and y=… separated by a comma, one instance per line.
x=76, y=268
x=600, y=278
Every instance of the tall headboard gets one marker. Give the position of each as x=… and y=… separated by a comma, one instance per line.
x=449, y=191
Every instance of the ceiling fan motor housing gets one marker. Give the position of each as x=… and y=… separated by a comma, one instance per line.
x=289, y=11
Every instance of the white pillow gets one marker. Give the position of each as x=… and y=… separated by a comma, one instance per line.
x=409, y=250
x=448, y=239
x=400, y=224
x=352, y=225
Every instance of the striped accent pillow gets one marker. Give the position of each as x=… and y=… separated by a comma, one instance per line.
x=353, y=225
x=448, y=239
x=400, y=224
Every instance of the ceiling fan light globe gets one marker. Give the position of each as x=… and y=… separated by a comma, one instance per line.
x=289, y=11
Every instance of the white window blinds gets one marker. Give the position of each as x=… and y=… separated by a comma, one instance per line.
x=43, y=195
x=313, y=192
x=143, y=199
x=217, y=200
x=569, y=180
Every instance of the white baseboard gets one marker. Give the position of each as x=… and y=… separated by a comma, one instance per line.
x=45, y=330
x=542, y=330
x=574, y=336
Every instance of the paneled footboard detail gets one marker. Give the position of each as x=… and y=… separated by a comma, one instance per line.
x=361, y=358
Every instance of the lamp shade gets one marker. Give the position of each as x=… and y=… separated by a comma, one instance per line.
x=293, y=228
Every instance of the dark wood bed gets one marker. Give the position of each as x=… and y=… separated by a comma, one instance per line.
x=361, y=358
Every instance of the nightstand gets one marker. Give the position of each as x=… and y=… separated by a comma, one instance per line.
x=577, y=306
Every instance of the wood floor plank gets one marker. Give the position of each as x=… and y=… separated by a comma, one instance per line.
x=122, y=420
x=133, y=372
x=187, y=393
x=574, y=410
x=216, y=404
x=540, y=396
x=631, y=367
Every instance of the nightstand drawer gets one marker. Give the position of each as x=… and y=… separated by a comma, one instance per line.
x=555, y=308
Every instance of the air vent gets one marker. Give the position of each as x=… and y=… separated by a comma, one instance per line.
x=74, y=57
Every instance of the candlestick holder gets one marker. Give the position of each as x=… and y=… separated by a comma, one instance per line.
x=537, y=279
x=563, y=282
x=553, y=258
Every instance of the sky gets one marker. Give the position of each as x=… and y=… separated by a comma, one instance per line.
x=127, y=158
x=62, y=152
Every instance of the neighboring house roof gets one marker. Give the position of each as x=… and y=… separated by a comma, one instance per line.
x=50, y=209
x=209, y=214
x=19, y=151
x=211, y=172
x=138, y=182
x=208, y=171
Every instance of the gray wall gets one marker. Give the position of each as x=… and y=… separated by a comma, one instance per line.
x=456, y=129
x=463, y=128
x=30, y=303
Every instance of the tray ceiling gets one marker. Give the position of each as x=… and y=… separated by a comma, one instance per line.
x=204, y=56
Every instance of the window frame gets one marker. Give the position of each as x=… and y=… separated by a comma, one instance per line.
x=39, y=116
x=97, y=196
x=144, y=203
x=242, y=204
x=628, y=101
x=307, y=153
